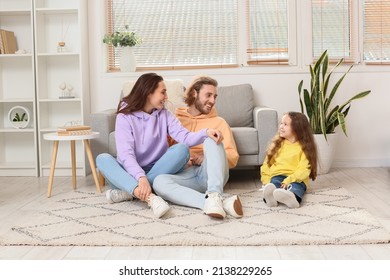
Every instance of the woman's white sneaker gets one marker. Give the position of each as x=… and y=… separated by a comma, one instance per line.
x=158, y=205
x=116, y=195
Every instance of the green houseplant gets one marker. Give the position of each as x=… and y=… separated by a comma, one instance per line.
x=317, y=100
x=124, y=38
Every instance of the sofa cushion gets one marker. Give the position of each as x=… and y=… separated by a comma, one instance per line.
x=235, y=104
x=246, y=139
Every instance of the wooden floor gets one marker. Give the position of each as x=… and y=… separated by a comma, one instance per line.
x=371, y=186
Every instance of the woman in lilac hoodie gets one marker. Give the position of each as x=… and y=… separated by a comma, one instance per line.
x=141, y=133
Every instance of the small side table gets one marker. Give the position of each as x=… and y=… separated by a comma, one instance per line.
x=56, y=138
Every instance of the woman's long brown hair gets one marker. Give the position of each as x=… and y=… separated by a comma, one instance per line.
x=136, y=99
x=302, y=130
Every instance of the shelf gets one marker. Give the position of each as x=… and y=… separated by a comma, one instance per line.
x=52, y=11
x=61, y=100
x=15, y=130
x=34, y=78
x=14, y=12
x=16, y=56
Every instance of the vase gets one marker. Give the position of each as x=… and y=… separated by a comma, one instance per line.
x=127, y=61
x=326, y=150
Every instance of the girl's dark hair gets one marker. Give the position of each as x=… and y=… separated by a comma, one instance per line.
x=136, y=99
x=302, y=130
x=196, y=85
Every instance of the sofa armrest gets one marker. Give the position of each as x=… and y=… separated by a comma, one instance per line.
x=265, y=120
x=104, y=123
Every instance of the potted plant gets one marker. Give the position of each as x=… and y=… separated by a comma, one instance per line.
x=316, y=103
x=19, y=117
x=126, y=40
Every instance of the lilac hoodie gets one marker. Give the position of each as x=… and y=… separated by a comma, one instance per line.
x=141, y=138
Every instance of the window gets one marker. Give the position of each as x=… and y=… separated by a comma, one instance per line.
x=177, y=34
x=180, y=34
x=376, y=32
x=332, y=29
x=267, y=22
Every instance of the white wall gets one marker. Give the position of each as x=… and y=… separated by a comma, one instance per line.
x=368, y=141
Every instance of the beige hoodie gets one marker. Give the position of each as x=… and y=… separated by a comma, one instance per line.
x=210, y=120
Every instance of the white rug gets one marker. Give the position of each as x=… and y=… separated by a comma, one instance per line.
x=327, y=216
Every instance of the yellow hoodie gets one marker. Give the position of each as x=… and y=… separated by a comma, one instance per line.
x=210, y=120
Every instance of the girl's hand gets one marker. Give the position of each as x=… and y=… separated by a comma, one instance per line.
x=143, y=190
x=215, y=134
x=284, y=186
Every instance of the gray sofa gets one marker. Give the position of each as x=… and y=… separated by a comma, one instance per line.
x=252, y=126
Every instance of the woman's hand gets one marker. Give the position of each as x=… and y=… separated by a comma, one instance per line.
x=143, y=190
x=215, y=134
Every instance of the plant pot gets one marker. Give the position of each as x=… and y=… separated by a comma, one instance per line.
x=20, y=110
x=326, y=151
x=127, y=62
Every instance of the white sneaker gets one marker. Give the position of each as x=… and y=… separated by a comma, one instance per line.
x=158, y=205
x=116, y=195
x=213, y=206
x=233, y=206
x=286, y=197
x=268, y=195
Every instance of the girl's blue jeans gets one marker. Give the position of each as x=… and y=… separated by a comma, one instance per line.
x=173, y=161
x=298, y=189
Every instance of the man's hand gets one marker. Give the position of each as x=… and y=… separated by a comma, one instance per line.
x=215, y=134
x=197, y=159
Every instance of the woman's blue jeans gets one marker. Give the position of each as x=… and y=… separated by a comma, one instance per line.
x=173, y=161
x=298, y=189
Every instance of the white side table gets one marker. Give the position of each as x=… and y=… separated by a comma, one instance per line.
x=85, y=138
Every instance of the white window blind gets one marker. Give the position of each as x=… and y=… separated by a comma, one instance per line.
x=267, y=22
x=332, y=28
x=177, y=33
x=376, y=31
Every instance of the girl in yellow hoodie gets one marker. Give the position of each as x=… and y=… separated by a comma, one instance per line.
x=291, y=160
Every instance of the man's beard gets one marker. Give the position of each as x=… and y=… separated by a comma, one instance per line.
x=201, y=108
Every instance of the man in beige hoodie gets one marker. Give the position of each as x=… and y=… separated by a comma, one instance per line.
x=201, y=184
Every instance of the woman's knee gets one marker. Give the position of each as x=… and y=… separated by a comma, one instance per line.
x=180, y=148
x=181, y=151
x=102, y=159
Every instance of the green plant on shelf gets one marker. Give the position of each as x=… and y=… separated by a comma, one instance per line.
x=18, y=118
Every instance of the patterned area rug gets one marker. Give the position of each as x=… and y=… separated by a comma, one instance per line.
x=327, y=216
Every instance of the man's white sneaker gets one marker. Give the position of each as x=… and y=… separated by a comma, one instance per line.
x=233, y=206
x=158, y=205
x=116, y=195
x=286, y=197
x=268, y=195
x=213, y=206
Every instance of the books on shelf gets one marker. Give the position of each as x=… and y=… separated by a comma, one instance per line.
x=7, y=42
x=74, y=130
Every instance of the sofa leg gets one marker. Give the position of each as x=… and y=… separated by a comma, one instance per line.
x=102, y=180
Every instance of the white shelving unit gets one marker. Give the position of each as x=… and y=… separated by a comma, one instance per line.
x=18, y=147
x=32, y=80
x=61, y=21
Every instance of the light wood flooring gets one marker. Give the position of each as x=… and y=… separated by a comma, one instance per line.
x=370, y=186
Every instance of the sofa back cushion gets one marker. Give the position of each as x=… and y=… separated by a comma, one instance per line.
x=235, y=104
